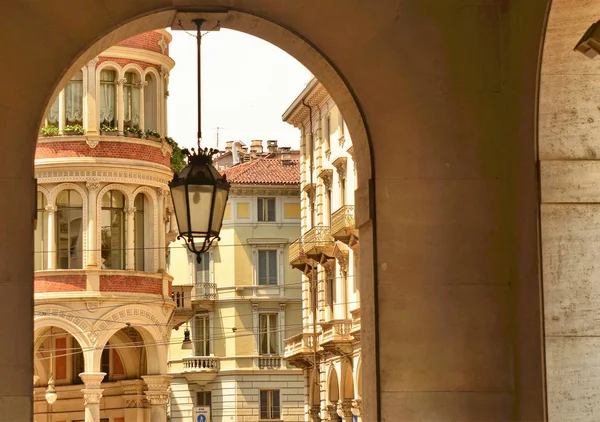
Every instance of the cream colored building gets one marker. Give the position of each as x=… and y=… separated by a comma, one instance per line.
x=103, y=307
x=328, y=349
x=243, y=299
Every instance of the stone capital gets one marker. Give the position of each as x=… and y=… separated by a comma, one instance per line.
x=142, y=84
x=51, y=209
x=344, y=408
x=92, y=186
x=92, y=380
x=121, y=81
x=315, y=413
x=157, y=383
x=130, y=210
x=92, y=395
x=163, y=192
x=92, y=63
x=157, y=399
x=357, y=407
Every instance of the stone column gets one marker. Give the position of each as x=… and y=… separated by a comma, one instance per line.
x=357, y=408
x=158, y=396
x=92, y=252
x=135, y=401
x=130, y=239
x=161, y=220
x=92, y=393
x=256, y=328
x=120, y=105
x=61, y=110
x=91, y=123
x=51, y=236
x=142, y=85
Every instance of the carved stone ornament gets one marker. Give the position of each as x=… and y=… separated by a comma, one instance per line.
x=357, y=407
x=315, y=413
x=157, y=399
x=142, y=84
x=92, y=185
x=92, y=396
x=163, y=192
x=92, y=142
x=51, y=209
x=344, y=408
x=130, y=210
x=326, y=176
x=164, y=72
x=341, y=256
x=331, y=409
x=163, y=149
x=162, y=44
x=340, y=165
x=92, y=380
x=92, y=306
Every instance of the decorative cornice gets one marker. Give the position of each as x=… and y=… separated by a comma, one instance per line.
x=107, y=176
x=154, y=57
x=340, y=165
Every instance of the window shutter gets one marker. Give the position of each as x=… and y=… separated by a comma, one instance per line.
x=272, y=267
x=260, y=210
x=276, y=405
x=271, y=209
x=264, y=404
x=262, y=267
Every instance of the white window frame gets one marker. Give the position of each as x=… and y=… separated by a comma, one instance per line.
x=208, y=328
x=266, y=210
x=268, y=314
x=272, y=414
x=256, y=248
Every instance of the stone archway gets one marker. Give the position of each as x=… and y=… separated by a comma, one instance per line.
x=448, y=94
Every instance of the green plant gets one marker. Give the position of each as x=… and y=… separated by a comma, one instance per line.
x=76, y=129
x=152, y=133
x=177, y=156
x=49, y=131
x=108, y=128
x=134, y=131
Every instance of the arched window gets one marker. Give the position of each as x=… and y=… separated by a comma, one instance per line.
x=139, y=232
x=69, y=229
x=113, y=230
x=150, y=103
x=74, y=100
x=53, y=114
x=40, y=257
x=131, y=100
x=108, y=98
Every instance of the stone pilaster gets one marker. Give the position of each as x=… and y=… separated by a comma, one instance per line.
x=158, y=396
x=120, y=105
x=130, y=239
x=92, y=253
x=51, y=211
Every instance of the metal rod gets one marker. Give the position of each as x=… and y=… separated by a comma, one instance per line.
x=199, y=23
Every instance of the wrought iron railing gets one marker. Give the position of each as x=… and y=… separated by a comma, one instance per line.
x=318, y=236
x=206, y=291
x=342, y=219
x=201, y=363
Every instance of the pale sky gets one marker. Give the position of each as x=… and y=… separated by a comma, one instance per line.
x=247, y=84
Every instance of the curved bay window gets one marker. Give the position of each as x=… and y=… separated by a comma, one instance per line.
x=113, y=230
x=74, y=100
x=108, y=98
x=69, y=229
x=150, y=103
x=40, y=240
x=139, y=232
x=131, y=100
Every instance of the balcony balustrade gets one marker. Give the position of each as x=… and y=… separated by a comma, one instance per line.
x=200, y=369
x=299, y=259
x=269, y=362
x=355, y=331
x=299, y=350
x=318, y=243
x=204, y=291
x=343, y=225
x=181, y=295
x=336, y=336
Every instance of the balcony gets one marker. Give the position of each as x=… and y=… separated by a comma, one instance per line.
x=204, y=295
x=343, y=225
x=298, y=259
x=182, y=297
x=355, y=331
x=336, y=337
x=269, y=362
x=200, y=369
x=299, y=350
x=318, y=243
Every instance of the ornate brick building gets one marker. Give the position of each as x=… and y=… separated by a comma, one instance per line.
x=103, y=307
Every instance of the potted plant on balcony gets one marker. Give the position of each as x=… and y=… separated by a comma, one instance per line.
x=73, y=130
x=49, y=131
x=133, y=132
x=108, y=130
x=152, y=135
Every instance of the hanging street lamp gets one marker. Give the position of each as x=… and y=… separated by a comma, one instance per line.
x=199, y=192
x=51, y=394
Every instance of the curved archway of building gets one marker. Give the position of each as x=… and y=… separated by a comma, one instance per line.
x=451, y=115
x=569, y=147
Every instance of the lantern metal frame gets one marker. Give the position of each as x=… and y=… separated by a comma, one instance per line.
x=199, y=172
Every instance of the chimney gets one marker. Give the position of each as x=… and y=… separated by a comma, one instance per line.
x=228, y=145
x=234, y=151
x=256, y=146
x=286, y=156
x=272, y=146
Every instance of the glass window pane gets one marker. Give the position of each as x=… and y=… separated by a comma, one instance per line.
x=200, y=200
x=262, y=267
x=264, y=404
x=275, y=405
x=272, y=267
x=271, y=211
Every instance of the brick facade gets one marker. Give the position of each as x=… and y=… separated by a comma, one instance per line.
x=104, y=149
x=60, y=283
x=130, y=284
x=146, y=41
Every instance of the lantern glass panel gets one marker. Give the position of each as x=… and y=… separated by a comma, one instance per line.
x=200, y=202
x=179, y=202
x=219, y=209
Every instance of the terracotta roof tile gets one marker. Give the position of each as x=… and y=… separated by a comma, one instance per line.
x=264, y=171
